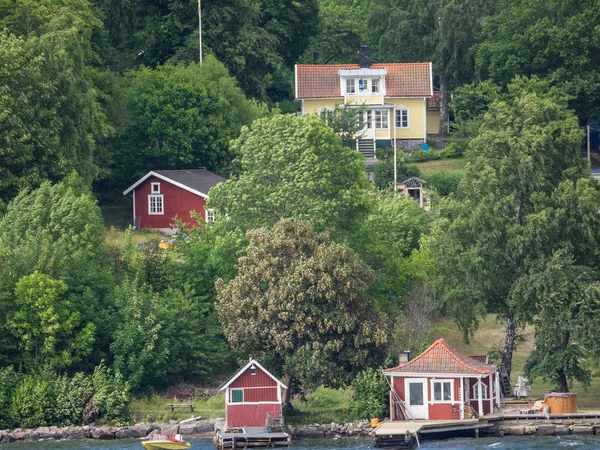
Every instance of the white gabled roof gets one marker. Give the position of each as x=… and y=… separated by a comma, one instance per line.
x=243, y=369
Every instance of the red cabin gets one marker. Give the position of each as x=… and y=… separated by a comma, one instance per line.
x=442, y=383
x=161, y=196
x=251, y=396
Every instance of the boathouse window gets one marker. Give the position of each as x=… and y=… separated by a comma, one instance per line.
x=252, y=369
x=210, y=215
x=442, y=391
x=237, y=396
x=155, y=188
x=155, y=204
x=484, y=391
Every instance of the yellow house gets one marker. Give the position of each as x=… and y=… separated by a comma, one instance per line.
x=394, y=95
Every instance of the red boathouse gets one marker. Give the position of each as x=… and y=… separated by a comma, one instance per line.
x=161, y=196
x=443, y=383
x=252, y=395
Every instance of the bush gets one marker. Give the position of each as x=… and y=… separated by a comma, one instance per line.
x=452, y=150
x=33, y=403
x=384, y=172
x=112, y=396
x=370, y=395
x=9, y=380
x=70, y=397
x=443, y=183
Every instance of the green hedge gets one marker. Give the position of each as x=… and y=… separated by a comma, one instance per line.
x=452, y=150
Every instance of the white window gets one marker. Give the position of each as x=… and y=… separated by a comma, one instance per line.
x=375, y=85
x=381, y=119
x=484, y=391
x=210, y=215
x=350, y=86
x=402, y=118
x=442, y=391
x=155, y=188
x=363, y=84
x=155, y=204
x=369, y=119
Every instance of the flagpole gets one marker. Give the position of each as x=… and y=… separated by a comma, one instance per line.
x=200, y=29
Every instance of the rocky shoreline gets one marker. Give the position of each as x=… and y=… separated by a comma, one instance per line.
x=190, y=428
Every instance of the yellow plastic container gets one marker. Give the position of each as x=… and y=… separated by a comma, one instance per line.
x=374, y=422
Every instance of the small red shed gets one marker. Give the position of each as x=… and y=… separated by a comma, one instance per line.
x=441, y=384
x=251, y=396
x=163, y=195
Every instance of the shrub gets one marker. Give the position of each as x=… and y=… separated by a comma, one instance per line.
x=384, y=172
x=443, y=183
x=9, y=380
x=370, y=395
x=452, y=150
x=33, y=403
x=111, y=396
x=70, y=396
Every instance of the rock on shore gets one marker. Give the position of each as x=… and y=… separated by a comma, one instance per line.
x=361, y=429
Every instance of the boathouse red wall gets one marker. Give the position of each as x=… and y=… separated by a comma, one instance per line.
x=177, y=202
x=250, y=396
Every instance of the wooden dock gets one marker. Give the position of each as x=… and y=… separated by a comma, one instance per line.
x=406, y=434
x=251, y=437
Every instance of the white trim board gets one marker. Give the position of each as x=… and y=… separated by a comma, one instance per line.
x=168, y=180
x=243, y=369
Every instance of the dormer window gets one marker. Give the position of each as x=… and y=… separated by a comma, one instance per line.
x=375, y=85
x=350, y=86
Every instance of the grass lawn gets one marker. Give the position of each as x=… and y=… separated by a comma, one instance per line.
x=155, y=409
x=443, y=165
x=491, y=336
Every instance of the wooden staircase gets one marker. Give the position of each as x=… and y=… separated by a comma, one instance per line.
x=505, y=386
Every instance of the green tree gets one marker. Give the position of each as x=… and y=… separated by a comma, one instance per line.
x=550, y=39
x=488, y=236
x=49, y=331
x=179, y=117
x=347, y=121
x=305, y=306
x=56, y=230
x=293, y=167
x=371, y=394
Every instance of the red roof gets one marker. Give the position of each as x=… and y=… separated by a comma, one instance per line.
x=402, y=79
x=441, y=357
x=434, y=101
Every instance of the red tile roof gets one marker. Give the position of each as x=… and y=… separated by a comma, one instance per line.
x=402, y=80
x=441, y=357
x=434, y=102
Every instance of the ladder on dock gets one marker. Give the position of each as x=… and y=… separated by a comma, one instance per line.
x=400, y=410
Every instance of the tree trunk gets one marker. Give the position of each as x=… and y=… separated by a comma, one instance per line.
x=443, y=102
x=563, y=383
x=509, y=345
x=287, y=380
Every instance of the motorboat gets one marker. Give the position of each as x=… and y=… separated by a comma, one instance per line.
x=165, y=442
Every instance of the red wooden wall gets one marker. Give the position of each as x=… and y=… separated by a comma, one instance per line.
x=251, y=415
x=177, y=202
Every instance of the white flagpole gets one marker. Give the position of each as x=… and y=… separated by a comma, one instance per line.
x=200, y=29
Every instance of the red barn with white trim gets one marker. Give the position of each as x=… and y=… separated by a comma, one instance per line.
x=250, y=395
x=162, y=196
x=443, y=383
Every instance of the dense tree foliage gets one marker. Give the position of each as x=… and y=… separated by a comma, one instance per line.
x=305, y=306
x=499, y=225
x=293, y=167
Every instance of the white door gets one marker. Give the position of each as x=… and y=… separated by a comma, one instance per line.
x=416, y=397
x=369, y=131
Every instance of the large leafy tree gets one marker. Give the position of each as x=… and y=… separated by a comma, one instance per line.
x=304, y=306
x=489, y=236
x=553, y=39
x=179, y=117
x=56, y=230
x=293, y=167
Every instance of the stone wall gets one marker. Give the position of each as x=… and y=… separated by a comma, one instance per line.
x=360, y=429
x=544, y=427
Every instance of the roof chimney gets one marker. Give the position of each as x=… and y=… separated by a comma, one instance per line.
x=365, y=57
x=404, y=356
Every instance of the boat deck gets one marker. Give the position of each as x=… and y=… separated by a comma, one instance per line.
x=406, y=433
x=252, y=437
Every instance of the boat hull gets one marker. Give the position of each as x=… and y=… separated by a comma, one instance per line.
x=165, y=445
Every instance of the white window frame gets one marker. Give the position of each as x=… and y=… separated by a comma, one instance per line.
x=398, y=115
x=155, y=188
x=210, y=215
x=350, y=86
x=375, y=85
x=231, y=396
x=383, y=119
x=155, y=197
x=365, y=85
x=442, y=382
x=484, y=391
x=369, y=118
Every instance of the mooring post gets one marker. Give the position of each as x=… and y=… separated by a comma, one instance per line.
x=477, y=432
